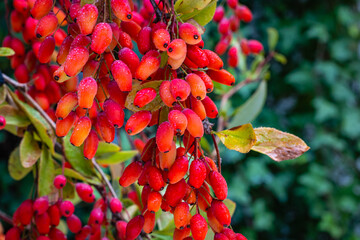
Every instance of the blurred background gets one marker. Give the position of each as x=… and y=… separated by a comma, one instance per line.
x=314, y=96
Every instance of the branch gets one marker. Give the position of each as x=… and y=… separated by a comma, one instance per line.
x=108, y=184
x=217, y=152
x=157, y=11
x=6, y=218
x=23, y=88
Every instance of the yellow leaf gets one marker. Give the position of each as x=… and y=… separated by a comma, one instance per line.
x=240, y=138
x=278, y=145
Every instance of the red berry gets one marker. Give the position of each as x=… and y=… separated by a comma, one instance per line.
x=46, y=26
x=40, y=205
x=2, y=122
x=155, y=179
x=67, y=208
x=175, y=193
x=149, y=222
x=164, y=136
x=144, y=97
x=86, y=92
x=138, y=122
x=122, y=75
x=41, y=8
x=180, y=89
x=91, y=144
x=243, y=13
x=74, y=224
x=178, y=169
x=198, y=227
x=42, y=222
x=222, y=76
x=181, y=215
x=54, y=214
x=46, y=49
x=134, y=227
x=81, y=131
x=215, y=61
x=59, y=181
x=197, y=86
x=101, y=37
x=76, y=60
x=194, y=126
x=96, y=217
x=130, y=58
x=115, y=205
x=165, y=94
x=255, y=46
x=85, y=192
x=154, y=200
x=210, y=107
x=197, y=173
x=219, y=14
x=189, y=33
x=177, y=49
x=105, y=128
x=161, y=39
x=86, y=18
x=221, y=212
x=63, y=126
x=130, y=174
x=121, y=9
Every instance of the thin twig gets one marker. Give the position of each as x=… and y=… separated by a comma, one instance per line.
x=6, y=218
x=157, y=11
x=108, y=184
x=217, y=152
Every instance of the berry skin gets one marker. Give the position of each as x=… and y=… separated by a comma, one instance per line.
x=189, y=34
x=144, y=40
x=215, y=61
x=67, y=208
x=222, y=76
x=197, y=173
x=85, y=192
x=144, y=97
x=215, y=225
x=167, y=159
x=177, y=49
x=232, y=3
x=46, y=25
x=174, y=64
x=181, y=234
x=154, y=200
x=130, y=58
x=178, y=169
x=161, y=39
x=81, y=131
x=2, y=122
x=233, y=59
x=229, y=233
x=244, y=46
x=165, y=94
x=76, y=60
x=66, y=104
x=178, y=121
x=207, y=81
x=210, y=107
x=96, y=217
x=149, y=222
x=114, y=113
x=224, y=26
x=255, y=46
x=74, y=224
x=218, y=184
x=41, y=8
x=180, y=89
x=54, y=214
x=122, y=75
x=197, y=86
x=137, y=122
x=13, y=233
x=194, y=126
x=59, y=181
x=134, y=227
x=121, y=229
x=220, y=236
x=121, y=9
x=46, y=49
x=197, y=56
x=198, y=227
x=86, y=92
x=164, y=136
x=101, y=38
x=204, y=198
x=25, y=211
x=221, y=212
x=63, y=126
x=91, y=144
x=243, y=13
x=181, y=214
x=131, y=174
x=42, y=222
x=155, y=179
x=115, y=205
x=175, y=193
x=148, y=65
x=40, y=205
x=86, y=18
x=105, y=128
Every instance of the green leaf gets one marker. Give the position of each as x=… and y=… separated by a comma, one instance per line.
x=2, y=94
x=206, y=15
x=76, y=158
x=13, y=116
x=240, y=138
x=69, y=190
x=42, y=126
x=273, y=38
x=104, y=147
x=153, y=105
x=83, y=2
x=230, y=205
x=164, y=59
x=16, y=170
x=280, y=58
x=30, y=151
x=6, y=52
x=46, y=173
x=115, y=158
x=248, y=111
x=278, y=145
x=188, y=6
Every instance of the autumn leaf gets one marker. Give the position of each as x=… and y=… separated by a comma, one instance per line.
x=278, y=145
x=240, y=138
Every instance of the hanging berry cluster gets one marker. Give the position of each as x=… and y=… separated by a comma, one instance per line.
x=98, y=77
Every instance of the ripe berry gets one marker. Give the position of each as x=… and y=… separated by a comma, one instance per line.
x=130, y=174
x=210, y=107
x=42, y=222
x=255, y=46
x=63, y=126
x=46, y=25
x=122, y=75
x=121, y=229
x=25, y=211
x=175, y=193
x=221, y=212
x=101, y=37
x=40, y=205
x=74, y=224
x=194, y=126
x=130, y=58
x=177, y=49
x=41, y=8
x=85, y=192
x=54, y=214
x=13, y=233
x=178, y=169
x=105, y=128
x=197, y=86
x=181, y=234
x=138, y=122
x=222, y=76
x=144, y=97
x=115, y=205
x=86, y=18
x=180, y=89
x=2, y=122
x=67, y=208
x=81, y=131
x=96, y=217
x=198, y=227
x=181, y=214
x=154, y=200
x=197, y=173
x=207, y=81
x=178, y=121
x=204, y=198
x=233, y=59
x=219, y=14
x=165, y=94
x=189, y=33
x=164, y=136
x=59, y=181
x=114, y=113
x=224, y=26
x=121, y=9
x=215, y=225
x=134, y=227
x=144, y=40
x=243, y=13
x=46, y=49
x=90, y=145
x=161, y=39
x=215, y=61
x=76, y=60
x=220, y=236
x=86, y=92
x=155, y=179
x=148, y=65
x=149, y=222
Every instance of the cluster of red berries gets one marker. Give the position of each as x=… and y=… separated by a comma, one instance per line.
x=44, y=217
x=178, y=73
x=228, y=26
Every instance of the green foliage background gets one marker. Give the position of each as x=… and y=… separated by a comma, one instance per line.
x=314, y=96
